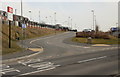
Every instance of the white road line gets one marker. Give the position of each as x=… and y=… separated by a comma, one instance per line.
x=10, y=71
x=4, y=66
x=4, y=71
x=37, y=71
x=75, y=46
x=39, y=39
x=86, y=47
x=92, y=59
x=39, y=64
x=45, y=67
x=29, y=61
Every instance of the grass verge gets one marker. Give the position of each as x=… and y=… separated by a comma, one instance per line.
x=97, y=41
x=30, y=33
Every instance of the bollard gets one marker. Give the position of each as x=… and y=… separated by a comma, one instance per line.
x=89, y=40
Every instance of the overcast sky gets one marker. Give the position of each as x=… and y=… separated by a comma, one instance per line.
x=106, y=11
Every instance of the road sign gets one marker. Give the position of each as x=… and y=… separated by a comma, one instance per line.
x=23, y=25
x=10, y=13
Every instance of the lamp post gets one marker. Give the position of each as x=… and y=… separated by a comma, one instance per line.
x=71, y=23
x=30, y=14
x=55, y=17
x=95, y=22
x=116, y=24
x=39, y=16
x=68, y=21
x=46, y=19
x=55, y=21
x=93, y=19
x=75, y=25
x=51, y=19
x=15, y=11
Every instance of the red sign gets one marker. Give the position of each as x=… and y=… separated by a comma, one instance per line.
x=10, y=9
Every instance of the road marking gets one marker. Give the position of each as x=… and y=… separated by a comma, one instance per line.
x=47, y=66
x=86, y=47
x=75, y=46
x=37, y=71
x=40, y=64
x=58, y=55
x=36, y=49
x=41, y=70
x=4, y=66
x=92, y=59
x=4, y=71
x=39, y=39
x=25, y=62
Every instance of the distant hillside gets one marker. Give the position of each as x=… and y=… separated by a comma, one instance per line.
x=30, y=33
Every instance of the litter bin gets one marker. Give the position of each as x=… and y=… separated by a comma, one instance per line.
x=89, y=40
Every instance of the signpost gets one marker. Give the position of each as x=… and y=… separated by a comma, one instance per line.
x=10, y=18
x=23, y=27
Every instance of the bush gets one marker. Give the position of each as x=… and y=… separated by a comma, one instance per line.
x=102, y=35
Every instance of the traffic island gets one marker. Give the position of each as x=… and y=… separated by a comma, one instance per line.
x=36, y=49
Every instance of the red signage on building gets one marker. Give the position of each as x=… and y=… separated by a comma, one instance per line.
x=9, y=9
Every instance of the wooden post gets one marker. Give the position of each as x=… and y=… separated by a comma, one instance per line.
x=9, y=34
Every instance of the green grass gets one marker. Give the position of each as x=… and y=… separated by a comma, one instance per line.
x=30, y=33
x=97, y=41
x=14, y=48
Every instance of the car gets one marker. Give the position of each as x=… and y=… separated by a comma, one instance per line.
x=87, y=30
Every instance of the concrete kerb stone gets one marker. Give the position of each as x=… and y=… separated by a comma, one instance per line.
x=24, y=57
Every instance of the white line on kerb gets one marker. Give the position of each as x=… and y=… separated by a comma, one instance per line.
x=92, y=59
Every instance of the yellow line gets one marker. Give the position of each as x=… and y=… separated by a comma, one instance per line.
x=100, y=45
x=36, y=49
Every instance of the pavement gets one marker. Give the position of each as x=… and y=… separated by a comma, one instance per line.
x=62, y=57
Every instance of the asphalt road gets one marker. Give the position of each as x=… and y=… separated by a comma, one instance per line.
x=60, y=58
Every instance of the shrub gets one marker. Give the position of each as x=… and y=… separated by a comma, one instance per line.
x=102, y=35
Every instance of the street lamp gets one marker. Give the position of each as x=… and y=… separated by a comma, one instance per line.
x=55, y=17
x=39, y=16
x=30, y=14
x=68, y=21
x=51, y=19
x=93, y=19
x=15, y=11
x=71, y=23
x=95, y=22
x=46, y=19
x=116, y=24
